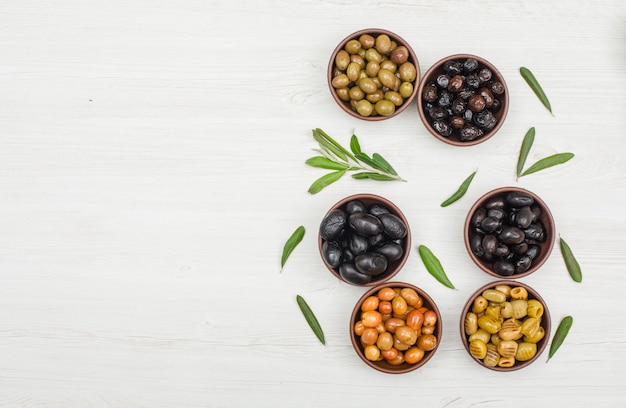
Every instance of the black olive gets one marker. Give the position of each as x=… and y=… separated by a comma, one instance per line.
x=371, y=263
x=490, y=224
x=472, y=81
x=497, y=87
x=495, y=202
x=502, y=251
x=518, y=199
x=487, y=95
x=521, y=248
x=442, y=127
x=358, y=244
x=456, y=83
x=497, y=105
x=476, y=245
x=476, y=103
x=377, y=239
x=511, y=235
x=393, y=226
x=438, y=113
x=430, y=93
x=536, y=232
x=332, y=253
x=478, y=217
x=377, y=209
x=522, y=264
x=536, y=210
x=350, y=274
x=497, y=213
x=490, y=243
x=365, y=224
x=470, y=132
x=503, y=268
x=457, y=122
x=465, y=93
x=442, y=81
x=484, y=75
x=355, y=206
x=533, y=251
x=458, y=106
x=470, y=64
x=524, y=217
x=485, y=119
x=333, y=224
x=391, y=250
x=445, y=98
x=452, y=67
x=468, y=115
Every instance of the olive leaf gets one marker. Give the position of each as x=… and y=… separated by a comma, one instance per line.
x=341, y=160
x=434, y=266
x=291, y=244
x=529, y=139
x=547, y=162
x=311, y=319
x=532, y=82
x=570, y=261
x=461, y=190
x=559, y=335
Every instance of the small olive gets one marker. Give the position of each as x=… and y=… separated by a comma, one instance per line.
x=358, y=244
x=333, y=224
x=367, y=41
x=406, y=89
x=407, y=71
x=383, y=44
x=340, y=81
x=342, y=59
x=332, y=253
x=367, y=85
x=394, y=97
x=350, y=274
x=353, y=47
x=371, y=263
x=393, y=226
x=387, y=78
x=518, y=199
x=503, y=268
x=384, y=108
x=372, y=68
x=427, y=342
x=391, y=251
x=511, y=235
x=490, y=224
x=377, y=209
x=364, y=107
x=365, y=224
x=400, y=55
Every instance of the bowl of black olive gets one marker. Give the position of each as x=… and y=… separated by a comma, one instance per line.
x=509, y=232
x=463, y=100
x=373, y=74
x=364, y=239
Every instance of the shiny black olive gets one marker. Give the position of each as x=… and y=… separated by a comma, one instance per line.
x=371, y=263
x=497, y=105
x=393, y=226
x=438, y=113
x=452, y=67
x=521, y=248
x=470, y=132
x=333, y=224
x=456, y=83
x=490, y=243
x=511, y=235
x=517, y=199
x=442, y=127
x=487, y=95
x=355, y=206
x=470, y=65
x=430, y=93
x=358, y=244
x=350, y=274
x=472, y=81
x=478, y=217
x=524, y=217
x=497, y=213
x=535, y=231
x=484, y=75
x=365, y=224
x=502, y=251
x=377, y=209
x=495, y=202
x=490, y=224
x=476, y=245
x=445, y=98
x=347, y=255
x=522, y=264
x=533, y=251
x=503, y=268
x=458, y=106
x=485, y=120
x=465, y=93
x=497, y=87
x=536, y=210
x=442, y=81
x=332, y=253
x=391, y=250
x=376, y=240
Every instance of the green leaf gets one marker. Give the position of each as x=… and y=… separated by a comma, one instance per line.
x=325, y=140
x=371, y=175
x=529, y=139
x=532, y=82
x=434, y=266
x=327, y=179
x=570, y=261
x=461, y=191
x=559, y=335
x=325, y=163
x=367, y=160
x=354, y=145
x=311, y=319
x=291, y=244
x=547, y=162
x=380, y=160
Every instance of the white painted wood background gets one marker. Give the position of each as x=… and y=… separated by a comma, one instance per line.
x=152, y=167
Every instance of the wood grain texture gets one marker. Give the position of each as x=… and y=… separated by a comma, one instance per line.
x=152, y=167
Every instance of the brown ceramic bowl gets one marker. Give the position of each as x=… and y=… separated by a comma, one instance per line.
x=515, y=364
x=347, y=273
x=333, y=72
x=455, y=137
x=399, y=367
x=544, y=244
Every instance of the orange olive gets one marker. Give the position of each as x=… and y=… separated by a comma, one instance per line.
x=386, y=294
x=430, y=318
x=398, y=360
x=415, y=319
x=392, y=324
x=371, y=303
x=427, y=342
x=413, y=355
x=410, y=295
x=385, y=341
x=371, y=318
x=385, y=307
x=406, y=335
x=389, y=354
x=399, y=305
x=428, y=329
x=400, y=345
x=372, y=353
x=359, y=327
x=369, y=336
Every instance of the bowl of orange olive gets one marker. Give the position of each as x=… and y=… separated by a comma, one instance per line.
x=505, y=325
x=395, y=327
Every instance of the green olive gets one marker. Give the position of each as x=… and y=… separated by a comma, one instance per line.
x=374, y=97
x=364, y=107
x=341, y=81
x=353, y=71
x=489, y=324
x=343, y=94
x=385, y=108
x=407, y=72
x=373, y=55
x=406, y=89
x=394, y=97
x=372, y=68
x=367, y=41
x=383, y=44
x=367, y=85
x=359, y=60
x=387, y=78
x=342, y=59
x=356, y=93
x=400, y=55
x=389, y=66
x=352, y=47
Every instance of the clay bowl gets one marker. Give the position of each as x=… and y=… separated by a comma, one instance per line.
x=416, y=357
x=346, y=270
x=340, y=92
x=463, y=84
x=476, y=229
x=507, y=330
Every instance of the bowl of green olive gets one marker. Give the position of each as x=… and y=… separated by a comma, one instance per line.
x=509, y=232
x=364, y=239
x=463, y=100
x=373, y=74
x=395, y=327
x=505, y=325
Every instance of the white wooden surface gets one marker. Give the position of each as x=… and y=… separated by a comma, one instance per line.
x=152, y=167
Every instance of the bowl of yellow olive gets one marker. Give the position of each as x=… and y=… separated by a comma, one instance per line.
x=373, y=74
x=505, y=325
x=395, y=327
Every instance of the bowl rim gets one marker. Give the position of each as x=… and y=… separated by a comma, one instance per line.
x=546, y=323
x=401, y=41
x=503, y=109
x=382, y=365
x=550, y=231
x=407, y=244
